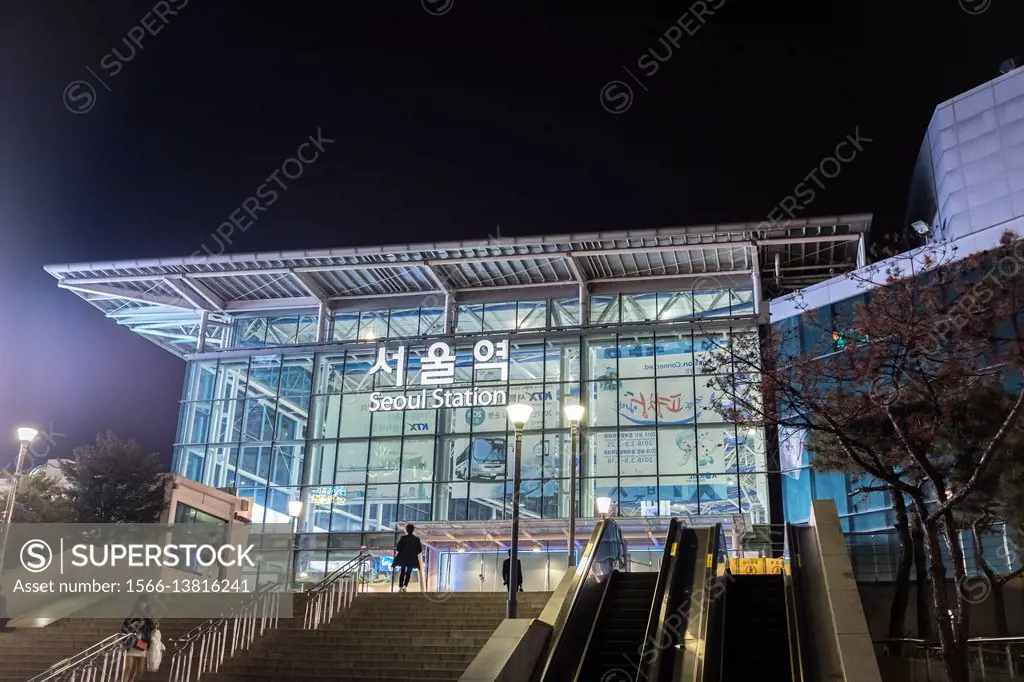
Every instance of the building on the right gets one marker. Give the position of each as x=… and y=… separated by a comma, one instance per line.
x=967, y=191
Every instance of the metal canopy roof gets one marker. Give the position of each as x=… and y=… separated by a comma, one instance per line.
x=639, y=531
x=169, y=300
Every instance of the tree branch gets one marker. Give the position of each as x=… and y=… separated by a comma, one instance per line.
x=986, y=459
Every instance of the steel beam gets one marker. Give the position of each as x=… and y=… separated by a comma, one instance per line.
x=128, y=295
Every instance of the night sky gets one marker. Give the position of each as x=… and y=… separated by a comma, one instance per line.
x=447, y=117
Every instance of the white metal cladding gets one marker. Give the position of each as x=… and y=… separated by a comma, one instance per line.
x=170, y=300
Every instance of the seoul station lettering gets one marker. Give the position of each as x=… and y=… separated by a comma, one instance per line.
x=437, y=369
x=437, y=399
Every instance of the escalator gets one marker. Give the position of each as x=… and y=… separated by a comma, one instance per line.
x=621, y=624
x=756, y=623
x=696, y=620
x=607, y=626
x=756, y=637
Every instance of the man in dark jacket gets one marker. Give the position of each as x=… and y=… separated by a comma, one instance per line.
x=506, y=565
x=407, y=556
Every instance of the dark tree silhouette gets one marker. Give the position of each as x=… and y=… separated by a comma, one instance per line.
x=115, y=482
x=919, y=390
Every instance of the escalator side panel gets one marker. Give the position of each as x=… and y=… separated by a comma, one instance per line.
x=612, y=650
x=686, y=572
x=690, y=617
x=820, y=653
x=576, y=617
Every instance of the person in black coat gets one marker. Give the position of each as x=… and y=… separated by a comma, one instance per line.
x=407, y=556
x=506, y=566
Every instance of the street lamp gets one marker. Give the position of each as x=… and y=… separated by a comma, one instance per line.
x=26, y=435
x=574, y=413
x=294, y=511
x=518, y=414
x=604, y=505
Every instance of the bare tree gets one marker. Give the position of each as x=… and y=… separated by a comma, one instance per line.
x=911, y=390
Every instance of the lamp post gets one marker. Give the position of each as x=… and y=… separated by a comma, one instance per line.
x=294, y=511
x=518, y=414
x=26, y=435
x=574, y=413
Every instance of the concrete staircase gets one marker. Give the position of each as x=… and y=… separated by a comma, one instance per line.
x=382, y=638
x=27, y=652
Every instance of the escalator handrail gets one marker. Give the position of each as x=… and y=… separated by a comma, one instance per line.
x=569, y=605
x=593, y=628
x=659, y=605
x=794, y=599
x=719, y=608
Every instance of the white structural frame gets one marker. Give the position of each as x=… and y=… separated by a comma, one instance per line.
x=188, y=305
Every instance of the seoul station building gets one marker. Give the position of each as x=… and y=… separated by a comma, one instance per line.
x=370, y=383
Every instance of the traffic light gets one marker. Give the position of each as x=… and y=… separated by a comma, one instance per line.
x=840, y=338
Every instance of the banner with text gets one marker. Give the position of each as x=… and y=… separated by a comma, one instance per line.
x=58, y=570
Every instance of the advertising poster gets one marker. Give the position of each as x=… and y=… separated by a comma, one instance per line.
x=668, y=427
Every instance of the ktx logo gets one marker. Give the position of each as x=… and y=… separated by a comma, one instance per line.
x=541, y=396
x=419, y=427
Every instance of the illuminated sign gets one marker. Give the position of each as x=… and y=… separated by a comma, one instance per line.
x=438, y=369
x=328, y=495
x=437, y=399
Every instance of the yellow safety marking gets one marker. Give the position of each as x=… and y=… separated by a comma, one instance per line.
x=710, y=560
x=673, y=553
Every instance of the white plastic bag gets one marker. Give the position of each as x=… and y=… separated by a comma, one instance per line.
x=155, y=653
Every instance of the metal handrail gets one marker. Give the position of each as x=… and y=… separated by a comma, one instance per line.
x=713, y=610
x=796, y=665
x=343, y=570
x=933, y=642
x=211, y=623
x=593, y=627
x=111, y=649
x=659, y=605
x=206, y=648
x=794, y=601
x=571, y=600
x=333, y=593
x=975, y=645
x=212, y=643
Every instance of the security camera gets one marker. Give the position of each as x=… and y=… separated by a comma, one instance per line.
x=921, y=227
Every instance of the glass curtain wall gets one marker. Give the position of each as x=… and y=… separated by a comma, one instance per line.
x=312, y=427
x=482, y=318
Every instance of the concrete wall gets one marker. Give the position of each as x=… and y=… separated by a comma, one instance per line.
x=834, y=592
x=971, y=164
x=209, y=500
x=877, y=600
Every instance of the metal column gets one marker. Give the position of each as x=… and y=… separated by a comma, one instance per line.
x=755, y=276
x=322, y=316
x=201, y=341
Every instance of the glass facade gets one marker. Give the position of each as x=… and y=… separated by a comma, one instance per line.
x=867, y=518
x=822, y=331
x=370, y=435
x=481, y=318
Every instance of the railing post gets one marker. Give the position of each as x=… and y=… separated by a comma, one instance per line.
x=1009, y=660
x=981, y=658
